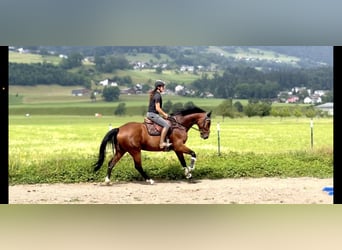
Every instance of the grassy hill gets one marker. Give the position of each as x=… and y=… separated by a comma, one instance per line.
x=249, y=53
x=16, y=57
x=149, y=75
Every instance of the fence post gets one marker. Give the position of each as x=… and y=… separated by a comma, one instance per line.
x=311, y=128
x=218, y=138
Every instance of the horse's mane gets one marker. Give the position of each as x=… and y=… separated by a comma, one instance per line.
x=188, y=111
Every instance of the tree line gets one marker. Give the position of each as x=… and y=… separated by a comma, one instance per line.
x=231, y=109
x=45, y=73
x=249, y=83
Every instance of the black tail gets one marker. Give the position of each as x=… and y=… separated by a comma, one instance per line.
x=109, y=137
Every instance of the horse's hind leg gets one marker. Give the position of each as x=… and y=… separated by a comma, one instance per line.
x=137, y=164
x=111, y=165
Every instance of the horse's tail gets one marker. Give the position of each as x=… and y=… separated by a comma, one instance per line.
x=109, y=137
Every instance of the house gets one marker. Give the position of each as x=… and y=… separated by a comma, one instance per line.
x=128, y=91
x=320, y=92
x=327, y=107
x=313, y=99
x=187, y=68
x=79, y=92
x=292, y=99
x=179, y=89
x=307, y=100
x=106, y=82
x=316, y=98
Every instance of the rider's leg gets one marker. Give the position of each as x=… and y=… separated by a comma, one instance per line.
x=162, y=143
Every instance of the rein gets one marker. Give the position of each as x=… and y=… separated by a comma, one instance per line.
x=173, y=119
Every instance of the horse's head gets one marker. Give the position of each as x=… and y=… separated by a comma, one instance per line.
x=194, y=115
x=204, y=125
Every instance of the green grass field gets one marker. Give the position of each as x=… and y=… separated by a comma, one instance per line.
x=54, y=99
x=16, y=57
x=60, y=139
x=47, y=149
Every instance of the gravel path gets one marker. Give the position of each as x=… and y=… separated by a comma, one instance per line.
x=223, y=191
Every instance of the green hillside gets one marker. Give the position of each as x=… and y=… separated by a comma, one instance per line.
x=237, y=53
x=16, y=57
x=202, y=71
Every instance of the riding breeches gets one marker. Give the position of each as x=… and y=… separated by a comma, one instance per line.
x=157, y=119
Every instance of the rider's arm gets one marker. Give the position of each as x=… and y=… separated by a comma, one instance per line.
x=160, y=111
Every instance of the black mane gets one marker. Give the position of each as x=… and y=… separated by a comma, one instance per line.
x=191, y=110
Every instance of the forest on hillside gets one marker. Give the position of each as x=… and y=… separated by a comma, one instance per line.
x=231, y=77
x=309, y=55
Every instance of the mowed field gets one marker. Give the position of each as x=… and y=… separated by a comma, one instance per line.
x=49, y=147
x=63, y=148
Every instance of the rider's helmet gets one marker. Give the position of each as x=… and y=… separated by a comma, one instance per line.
x=159, y=83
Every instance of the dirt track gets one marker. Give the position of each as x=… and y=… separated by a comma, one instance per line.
x=224, y=191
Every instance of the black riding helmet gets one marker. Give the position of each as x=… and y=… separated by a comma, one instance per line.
x=159, y=83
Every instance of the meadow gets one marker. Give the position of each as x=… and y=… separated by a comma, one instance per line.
x=62, y=149
x=59, y=141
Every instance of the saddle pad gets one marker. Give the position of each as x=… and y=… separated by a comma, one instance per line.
x=152, y=127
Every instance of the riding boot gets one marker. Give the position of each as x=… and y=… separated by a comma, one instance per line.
x=162, y=143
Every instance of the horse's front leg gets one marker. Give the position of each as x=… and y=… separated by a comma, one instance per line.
x=191, y=167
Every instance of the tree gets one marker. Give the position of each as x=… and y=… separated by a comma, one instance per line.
x=159, y=70
x=167, y=106
x=73, y=61
x=177, y=107
x=226, y=108
x=238, y=106
x=284, y=112
x=297, y=112
x=121, y=109
x=328, y=97
x=111, y=93
x=145, y=88
x=93, y=96
x=99, y=62
x=264, y=108
x=111, y=63
x=189, y=104
x=310, y=112
x=250, y=110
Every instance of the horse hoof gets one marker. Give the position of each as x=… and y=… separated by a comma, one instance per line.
x=106, y=184
x=150, y=181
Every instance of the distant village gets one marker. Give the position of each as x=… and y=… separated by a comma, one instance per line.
x=293, y=96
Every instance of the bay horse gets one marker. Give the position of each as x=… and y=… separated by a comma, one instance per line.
x=133, y=137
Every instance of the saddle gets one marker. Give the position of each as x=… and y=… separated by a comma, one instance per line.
x=154, y=128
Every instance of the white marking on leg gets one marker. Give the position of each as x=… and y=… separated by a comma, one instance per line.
x=192, y=163
x=107, y=180
x=187, y=172
x=150, y=181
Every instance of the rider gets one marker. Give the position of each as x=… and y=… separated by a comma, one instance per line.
x=156, y=113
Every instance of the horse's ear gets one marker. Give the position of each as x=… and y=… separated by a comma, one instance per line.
x=209, y=114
